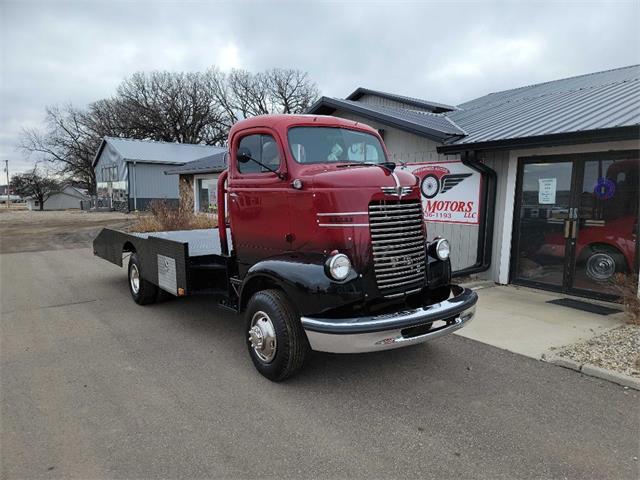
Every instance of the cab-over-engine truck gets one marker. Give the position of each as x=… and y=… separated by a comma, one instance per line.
x=328, y=247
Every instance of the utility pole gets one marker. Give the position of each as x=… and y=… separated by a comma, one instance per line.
x=6, y=169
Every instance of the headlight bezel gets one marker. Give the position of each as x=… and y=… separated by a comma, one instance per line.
x=331, y=266
x=436, y=246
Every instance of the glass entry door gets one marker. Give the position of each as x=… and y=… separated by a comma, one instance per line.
x=576, y=222
x=543, y=220
x=605, y=224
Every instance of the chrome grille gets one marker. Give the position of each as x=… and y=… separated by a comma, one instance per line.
x=397, y=239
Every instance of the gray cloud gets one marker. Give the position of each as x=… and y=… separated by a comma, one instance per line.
x=60, y=52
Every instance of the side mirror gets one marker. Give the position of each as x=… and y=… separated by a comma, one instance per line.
x=243, y=157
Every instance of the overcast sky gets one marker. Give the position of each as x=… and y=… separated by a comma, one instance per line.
x=78, y=51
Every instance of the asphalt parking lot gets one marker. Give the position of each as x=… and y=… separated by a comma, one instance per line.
x=95, y=386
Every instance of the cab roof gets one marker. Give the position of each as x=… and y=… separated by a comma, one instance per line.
x=282, y=122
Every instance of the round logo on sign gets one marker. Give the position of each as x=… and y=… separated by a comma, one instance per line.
x=430, y=186
x=604, y=188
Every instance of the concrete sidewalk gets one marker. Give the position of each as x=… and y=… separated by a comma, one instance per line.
x=519, y=320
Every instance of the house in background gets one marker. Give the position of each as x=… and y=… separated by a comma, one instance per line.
x=559, y=168
x=68, y=198
x=198, y=181
x=130, y=173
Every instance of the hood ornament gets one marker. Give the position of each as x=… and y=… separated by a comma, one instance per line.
x=397, y=191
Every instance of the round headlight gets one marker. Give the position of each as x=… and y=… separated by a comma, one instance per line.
x=443, y=249
x=338, y=266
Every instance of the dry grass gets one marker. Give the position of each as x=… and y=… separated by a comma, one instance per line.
x=627, y=287
x=163, y=217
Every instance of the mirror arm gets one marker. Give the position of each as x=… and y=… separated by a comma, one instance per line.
x=281, y=176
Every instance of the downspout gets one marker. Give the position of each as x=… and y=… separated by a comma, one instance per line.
x=487, y=216
x=135, y=188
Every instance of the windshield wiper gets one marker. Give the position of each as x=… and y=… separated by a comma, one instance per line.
x=387, y=165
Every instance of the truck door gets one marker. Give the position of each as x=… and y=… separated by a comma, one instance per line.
x=258, y=207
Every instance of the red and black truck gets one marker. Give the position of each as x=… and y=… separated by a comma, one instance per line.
x=321, y=245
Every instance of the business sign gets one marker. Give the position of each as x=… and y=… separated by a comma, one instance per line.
x=450, y=191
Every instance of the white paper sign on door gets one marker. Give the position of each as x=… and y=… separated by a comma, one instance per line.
x=547, y=191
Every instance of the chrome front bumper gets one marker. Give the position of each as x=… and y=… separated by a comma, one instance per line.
x=384, y=332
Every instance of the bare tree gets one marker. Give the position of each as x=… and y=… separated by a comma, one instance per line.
x=195, y=107
x=290, y=91
x=35, y=184
x=243, y=94
x=67, y=141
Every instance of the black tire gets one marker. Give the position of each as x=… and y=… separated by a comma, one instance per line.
x=603, y=262
x=430, y=195
x=146, y=292
x=291, y=345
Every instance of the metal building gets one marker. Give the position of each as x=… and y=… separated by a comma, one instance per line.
x=130, y=173
x=559, y=165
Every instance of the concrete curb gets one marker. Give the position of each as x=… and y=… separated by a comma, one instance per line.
x=593, y=371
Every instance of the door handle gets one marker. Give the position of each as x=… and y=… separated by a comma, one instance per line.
x=574, y=229
x=567, y=228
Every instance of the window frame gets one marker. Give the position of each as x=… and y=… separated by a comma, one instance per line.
x=261, y=133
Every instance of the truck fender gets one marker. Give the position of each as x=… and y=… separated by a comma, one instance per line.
x=303, y=279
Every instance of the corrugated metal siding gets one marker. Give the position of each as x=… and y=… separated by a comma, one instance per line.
x=151, y=182
x=589, y=102
x=411, y=102
x=387, y=102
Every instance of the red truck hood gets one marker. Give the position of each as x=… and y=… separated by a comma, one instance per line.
x=330, y=176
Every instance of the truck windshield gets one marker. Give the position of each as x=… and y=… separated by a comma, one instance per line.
x=331, y=144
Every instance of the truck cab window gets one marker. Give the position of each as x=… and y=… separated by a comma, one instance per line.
x=331, y=144
x=260, y=147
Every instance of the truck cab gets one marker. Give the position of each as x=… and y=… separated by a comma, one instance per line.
x=324, y=245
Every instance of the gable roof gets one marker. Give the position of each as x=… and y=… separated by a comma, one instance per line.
x=596, y=101
x=150, y=151
x=69, y=190
x=435, y=107
x=212, y=164
x=432, y=125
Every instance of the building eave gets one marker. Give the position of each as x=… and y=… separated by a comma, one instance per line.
x=329, y=105
x=565, y=138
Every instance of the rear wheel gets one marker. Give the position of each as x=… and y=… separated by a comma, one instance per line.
x=276, y=341
x=142, y=291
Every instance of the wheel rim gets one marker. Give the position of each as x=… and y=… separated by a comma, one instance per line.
x=262, y=337
x=601, y=266
x=134, y=279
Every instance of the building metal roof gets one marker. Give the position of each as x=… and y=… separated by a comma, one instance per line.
x=434, y=107
x=212, y=164
x=150, y=151
x=436, y=126
x=596, y=101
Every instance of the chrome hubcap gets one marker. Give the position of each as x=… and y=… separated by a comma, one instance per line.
x=601, y=266
x=134, y=278
x=262, y=336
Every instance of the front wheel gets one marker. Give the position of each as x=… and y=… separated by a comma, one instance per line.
x=276, y=341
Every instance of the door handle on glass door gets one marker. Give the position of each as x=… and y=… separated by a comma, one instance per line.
x=574, y=229
x=567, y=228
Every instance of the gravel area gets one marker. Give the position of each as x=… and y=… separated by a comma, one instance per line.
x=617, y=349
x=33, y=231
